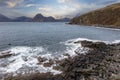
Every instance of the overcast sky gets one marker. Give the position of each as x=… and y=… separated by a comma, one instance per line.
x=55, y=8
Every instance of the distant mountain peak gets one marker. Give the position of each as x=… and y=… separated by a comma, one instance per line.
x=39, y=16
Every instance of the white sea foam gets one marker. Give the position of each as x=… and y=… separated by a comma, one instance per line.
x=27, y=57
x=107, y=28
x=82, y=39
x=78, y=47
x=71, y=41
x=116, y=41
x=24, y=59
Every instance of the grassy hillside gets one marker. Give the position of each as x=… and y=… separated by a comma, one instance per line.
x=108, y=16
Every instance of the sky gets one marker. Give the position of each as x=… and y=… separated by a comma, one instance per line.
x=55, y=8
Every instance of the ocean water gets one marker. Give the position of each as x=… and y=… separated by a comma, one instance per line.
x=51, y=39
x=49, y=35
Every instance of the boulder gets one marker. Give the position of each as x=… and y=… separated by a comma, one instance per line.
x=56, y=67
x=94, y=45
x=48, y=64
x=5, y=54
x=40, y=59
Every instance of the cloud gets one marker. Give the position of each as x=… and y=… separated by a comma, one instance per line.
x=62, y=1
x=31, y=5
x=10, y=13
x=45, y=8
x=67, y=9
x=75, y=7
x=10, y=3
x=49, y=8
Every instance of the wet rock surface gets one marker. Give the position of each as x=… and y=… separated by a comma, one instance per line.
x=49, y=63
x=5, y=54
x=35, y=76
x=98, y=64
x=101, y=62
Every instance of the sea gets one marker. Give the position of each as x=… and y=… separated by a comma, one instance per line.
x=29, y=40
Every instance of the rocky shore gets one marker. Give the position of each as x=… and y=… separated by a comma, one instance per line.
x=98, y=25
x=101, y=62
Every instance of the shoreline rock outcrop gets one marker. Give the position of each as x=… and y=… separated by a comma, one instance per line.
x=100, y=63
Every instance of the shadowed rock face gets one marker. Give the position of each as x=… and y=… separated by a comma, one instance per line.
x=108, y=16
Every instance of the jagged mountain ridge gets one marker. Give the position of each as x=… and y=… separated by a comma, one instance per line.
x=36, y=18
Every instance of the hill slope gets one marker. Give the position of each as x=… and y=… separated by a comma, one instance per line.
x=4, y=18
x=107, y=17
x=22, y=19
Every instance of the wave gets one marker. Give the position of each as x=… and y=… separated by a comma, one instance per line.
x=116, y=29
x=25, y=59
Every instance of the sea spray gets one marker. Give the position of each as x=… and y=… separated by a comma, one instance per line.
x=24, y=59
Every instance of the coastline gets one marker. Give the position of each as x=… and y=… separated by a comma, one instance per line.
x=99, y=63
x=99, y=26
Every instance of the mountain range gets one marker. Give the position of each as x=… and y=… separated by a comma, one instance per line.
x=108, y=16
x=4, y=18
x=36, y=18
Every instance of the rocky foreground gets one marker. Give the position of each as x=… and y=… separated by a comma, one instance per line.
x=106, y=17
x=101, y=62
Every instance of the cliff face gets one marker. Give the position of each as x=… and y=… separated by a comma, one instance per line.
x=108, y=16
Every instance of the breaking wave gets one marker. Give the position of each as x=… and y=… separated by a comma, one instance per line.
x=25, y=59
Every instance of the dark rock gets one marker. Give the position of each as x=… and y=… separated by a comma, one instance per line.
x=56, y=67
x=35, y=76
x=5, y=54
x=40, y=59
x=48, y=64
x=101, y=63
x=94, y=45
x=97, y=64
